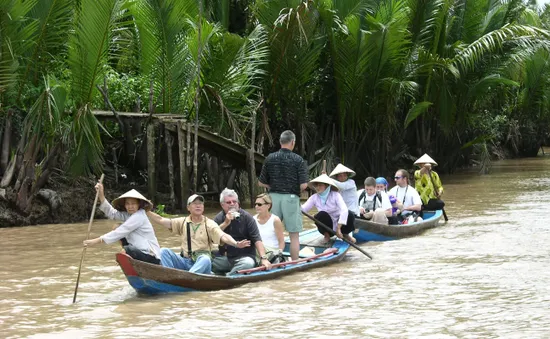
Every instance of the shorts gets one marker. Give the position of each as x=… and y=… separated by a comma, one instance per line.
x=287, y=208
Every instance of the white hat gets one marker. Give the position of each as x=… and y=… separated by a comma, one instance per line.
x=118, y=203
x=193, y=198
x=342, y=169
x=324, y=179
x=425, y=159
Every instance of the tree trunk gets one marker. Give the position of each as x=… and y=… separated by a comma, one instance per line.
x=6, y=143
x=169, y=145
x=151, y=169
x=184, y=172
x=231, y=180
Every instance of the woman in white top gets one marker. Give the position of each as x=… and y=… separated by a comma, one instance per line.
x=346, y=186
x=136, y=227
x=270, y=226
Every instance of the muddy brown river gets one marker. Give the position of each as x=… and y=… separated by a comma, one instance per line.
x=484, y=274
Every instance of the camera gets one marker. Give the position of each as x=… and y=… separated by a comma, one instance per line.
x=236, y=215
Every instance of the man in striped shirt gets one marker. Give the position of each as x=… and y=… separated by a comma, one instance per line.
x=284, y=174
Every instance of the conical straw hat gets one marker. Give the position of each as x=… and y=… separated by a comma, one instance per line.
x=118, y=203
x=324, y=179
x=342, y=169
x=425, y=159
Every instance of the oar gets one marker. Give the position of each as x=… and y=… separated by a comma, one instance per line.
x=87, y=237
x=437, y=195
x=329, y=229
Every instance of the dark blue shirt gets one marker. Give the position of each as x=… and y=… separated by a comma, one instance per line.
x=244, y=228
x=284, y=172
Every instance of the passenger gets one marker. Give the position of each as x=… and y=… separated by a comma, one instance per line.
x=284, y=174
x=382, y=184
x=270, y=226
x=374, y=205
x=408, y=200
x=346, y=186
x=240, y=225
x=198, y=236
x=428, y=184
x=332, y=209
x=142, y=244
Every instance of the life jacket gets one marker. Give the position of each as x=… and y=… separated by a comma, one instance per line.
x=363, y=197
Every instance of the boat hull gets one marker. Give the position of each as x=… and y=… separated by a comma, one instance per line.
x=369, y=231
x=148, y=278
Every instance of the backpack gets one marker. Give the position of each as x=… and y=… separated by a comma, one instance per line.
x=364, y=195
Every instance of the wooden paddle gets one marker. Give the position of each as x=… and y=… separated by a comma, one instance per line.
x=87, y=237
x=437, y=195
x=329, y=229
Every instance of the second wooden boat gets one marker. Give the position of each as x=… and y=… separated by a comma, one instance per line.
x=370, y=231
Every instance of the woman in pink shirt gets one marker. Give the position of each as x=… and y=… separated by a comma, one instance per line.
x=332, y=209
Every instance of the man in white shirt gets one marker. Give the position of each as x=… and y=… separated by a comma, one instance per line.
x=408, y=199
x=374, y=205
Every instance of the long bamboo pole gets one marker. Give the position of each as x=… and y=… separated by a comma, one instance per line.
x=87, y=237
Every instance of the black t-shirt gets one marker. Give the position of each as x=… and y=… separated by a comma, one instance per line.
x=244, y=228
x=284, y=171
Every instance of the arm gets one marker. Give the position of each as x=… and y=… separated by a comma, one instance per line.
x=279, y=231
x=303, y=175
x=437, y=183
x=157, y=219
x=308, y=205
x=343, y=219
x=346, y=185
x=134, y=221
x=417, y=202
x=254, y=235
x=227, y=239
x=263, y=180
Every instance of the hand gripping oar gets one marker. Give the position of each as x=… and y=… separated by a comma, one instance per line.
x=329, y=229
x=87, y=237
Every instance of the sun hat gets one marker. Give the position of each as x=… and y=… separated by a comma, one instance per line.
x=324, y=179
x=193, y=198
x=118, y=203
x=342, y=169
x=382, y=180
x=425, y=159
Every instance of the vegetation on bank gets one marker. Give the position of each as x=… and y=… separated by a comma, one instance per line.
x=373, y=83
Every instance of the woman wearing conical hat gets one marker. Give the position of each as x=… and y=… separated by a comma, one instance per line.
x=332, y=209
x=428, y=184
x=130, y=208
x=346, y=186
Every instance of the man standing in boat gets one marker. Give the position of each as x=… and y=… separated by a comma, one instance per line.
x=240, y=225
x=285, y=176
x=198, y=236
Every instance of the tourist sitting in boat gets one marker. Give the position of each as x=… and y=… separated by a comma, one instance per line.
x=428, y=184
x=240, y=225
x=382, y=184
x=332, y=210
x=346, y=186
x=408, y=199
x=374, y=205
x=142, y=244
x=270, y=226
x=199, y=236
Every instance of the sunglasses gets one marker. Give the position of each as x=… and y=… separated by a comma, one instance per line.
x=260, y=204
x=397, y=178
x=231, y=202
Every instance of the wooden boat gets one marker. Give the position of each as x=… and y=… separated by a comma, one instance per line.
x=148, y=278
x=370, y=231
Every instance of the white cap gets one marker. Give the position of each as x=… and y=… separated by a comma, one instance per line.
x=193, y=198
x=342, y=169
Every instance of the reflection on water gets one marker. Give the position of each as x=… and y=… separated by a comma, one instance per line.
x=483, y=275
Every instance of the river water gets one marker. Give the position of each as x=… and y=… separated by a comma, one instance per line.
x=485, y=274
